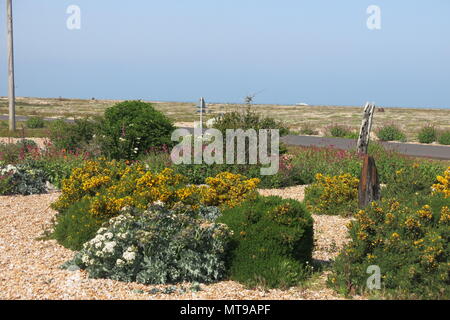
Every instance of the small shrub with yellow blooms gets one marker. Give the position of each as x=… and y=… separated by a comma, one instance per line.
x=333, y=195
x=408, y=242
x=106, y=188
x=443, y=187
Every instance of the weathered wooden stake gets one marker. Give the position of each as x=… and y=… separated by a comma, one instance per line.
x=366, y=126
x=369, y=185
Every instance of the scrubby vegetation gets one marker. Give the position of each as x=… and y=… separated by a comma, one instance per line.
x=391, y=132
x=444, y=137
x=427, y=134
x=337, y=195
x=133, y=215
x=132, y=128
x=272, y=242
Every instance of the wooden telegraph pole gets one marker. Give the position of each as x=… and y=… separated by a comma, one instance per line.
x=11, y=90
x=369, y=185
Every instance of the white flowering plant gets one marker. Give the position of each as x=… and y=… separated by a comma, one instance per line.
x=158, y=246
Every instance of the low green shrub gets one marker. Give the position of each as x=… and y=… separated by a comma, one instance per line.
x=412, y=180
x=35, y=123
x=73, y=136
x=410, y=245
x=341, y=131
x=427, y=134
x=21, y=179
x=76, y=225
x=133, y=128
x=390, y=132
x=246, y=119
x=56, y=167
x=444, y=138
x=309, y=130
x=333, y=195
x=157, y=246
x=272, y=242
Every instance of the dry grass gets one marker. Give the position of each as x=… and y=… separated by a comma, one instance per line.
x=318, y=117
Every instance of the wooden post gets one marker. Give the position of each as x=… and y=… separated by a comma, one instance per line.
x=369, y=185
x=366, y=126
x=11, y=90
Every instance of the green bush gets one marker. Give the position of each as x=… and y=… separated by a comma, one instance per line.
x=248, y=119
x=35, y=123
x=390, y=132
x=412, y=180
x=410, y=245
x=333, y=195
x=133, y=128
x=340, y=131
x=427, y=134
x=308, y=129
x=272, y=242
x=73, y=136
x=444, y=138
x=158, y=246
x=56, y=168
x=76, y=225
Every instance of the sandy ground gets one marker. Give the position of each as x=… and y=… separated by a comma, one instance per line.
x=30, y=268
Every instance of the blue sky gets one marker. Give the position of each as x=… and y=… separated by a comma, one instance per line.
x=287, y=51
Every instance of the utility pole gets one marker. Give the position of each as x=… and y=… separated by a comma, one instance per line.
x=11, y=90
x=202, y=109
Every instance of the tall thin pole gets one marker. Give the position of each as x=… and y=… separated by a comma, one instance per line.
x=11, y=91
x=202, y=107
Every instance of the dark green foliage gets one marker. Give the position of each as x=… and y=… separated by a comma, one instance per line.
x=76, y=225
x=73, y=136
x=444, y=137
x=272, y=242
x=56, y=168
x=427, y=134
x=248, y=119
x=132, y=128
x=391, y=132
x=35, y=123
x=340, y=131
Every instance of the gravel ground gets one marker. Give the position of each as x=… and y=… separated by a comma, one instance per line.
x=40, y=141
x=29, y=267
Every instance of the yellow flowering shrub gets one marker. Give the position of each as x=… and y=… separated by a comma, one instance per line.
x=335, y=195
x=102, y=189
x=229, y=189
x=443, y=187
x=409, y=243
x=111, y=186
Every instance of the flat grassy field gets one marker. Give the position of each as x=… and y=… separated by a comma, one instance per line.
x=317, y=117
